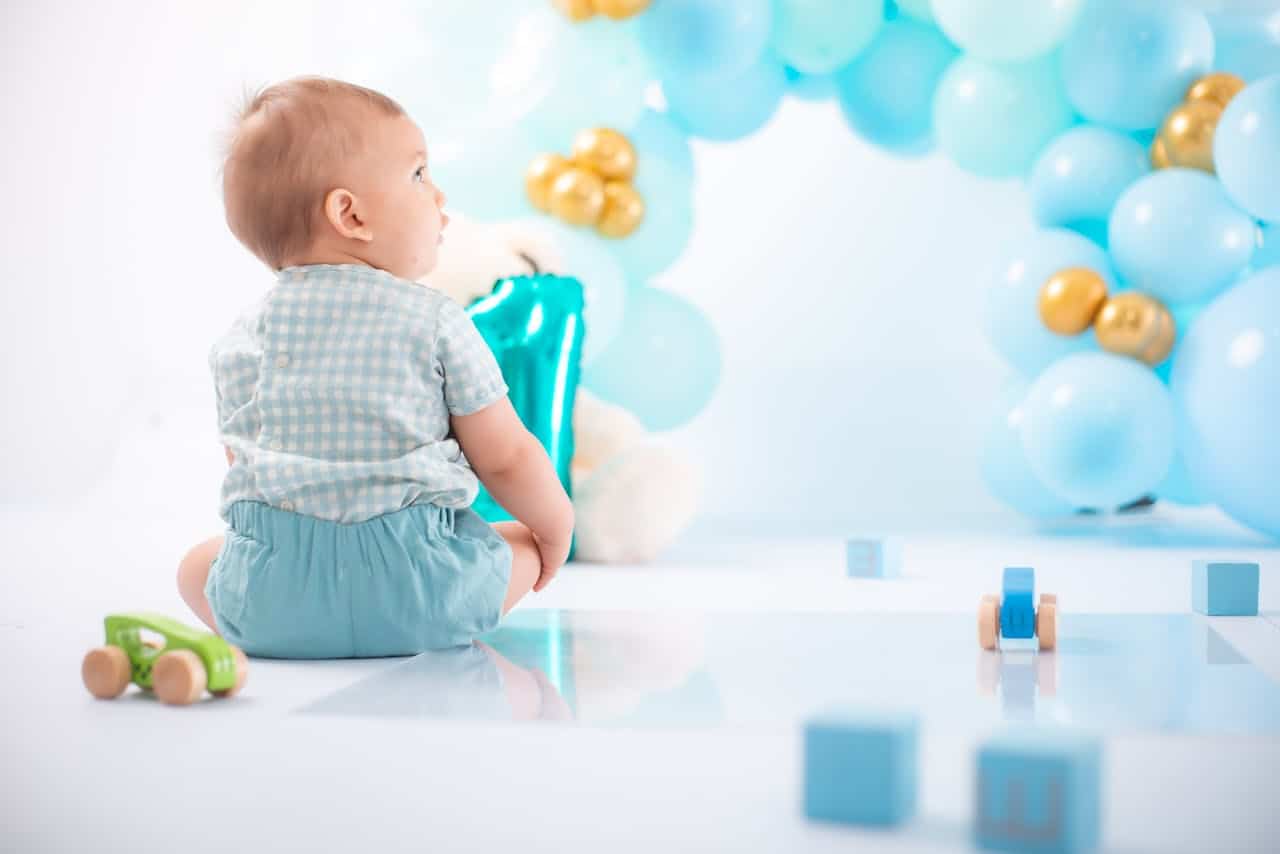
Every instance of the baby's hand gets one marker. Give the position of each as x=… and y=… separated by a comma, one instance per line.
x=553, y=555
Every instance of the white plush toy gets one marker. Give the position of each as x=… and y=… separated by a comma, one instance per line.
x=631, y=497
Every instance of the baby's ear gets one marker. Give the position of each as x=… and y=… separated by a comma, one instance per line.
x=344, y=213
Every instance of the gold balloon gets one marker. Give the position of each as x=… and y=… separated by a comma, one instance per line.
x=1217, y=88
x=1133, y=324
x=1071, y=299
x=623, y=210
x=576, y=10
x=1159, y=155
x=606, y=152
x=577, y=196
x=539, y=177
x=1187, y=134
x=619, y=9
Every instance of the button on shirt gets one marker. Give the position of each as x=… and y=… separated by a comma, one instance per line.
x=334, y=393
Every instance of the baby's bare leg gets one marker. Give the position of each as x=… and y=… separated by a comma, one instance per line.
x=192, y=574
x=526, y=561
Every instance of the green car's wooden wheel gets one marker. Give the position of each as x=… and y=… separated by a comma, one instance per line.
x=178, y=677
x=106, y=671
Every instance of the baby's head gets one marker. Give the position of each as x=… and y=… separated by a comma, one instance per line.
x=321, y=171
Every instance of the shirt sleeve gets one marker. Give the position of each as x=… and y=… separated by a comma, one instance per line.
x=471, y=377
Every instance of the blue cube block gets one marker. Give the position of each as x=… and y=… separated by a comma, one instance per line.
x=1224, y=589
x=1039, y=791
x=873, y=557
x=860, y=767
x=1017, y=610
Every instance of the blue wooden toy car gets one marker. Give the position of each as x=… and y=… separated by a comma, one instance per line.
x=1013, y=615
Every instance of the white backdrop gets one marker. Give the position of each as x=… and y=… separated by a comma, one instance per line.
x=845, y=284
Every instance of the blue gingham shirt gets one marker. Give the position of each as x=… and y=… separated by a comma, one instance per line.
x=335, y=390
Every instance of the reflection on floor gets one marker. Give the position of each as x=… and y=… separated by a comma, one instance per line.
x=1171, y=673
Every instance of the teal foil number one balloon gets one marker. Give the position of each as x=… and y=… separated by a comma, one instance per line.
x=534, y=326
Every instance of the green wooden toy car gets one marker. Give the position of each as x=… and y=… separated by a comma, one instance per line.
x=178, y=671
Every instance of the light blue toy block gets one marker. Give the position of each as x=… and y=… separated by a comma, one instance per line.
x=1017, y=611
x=873, y=557
x=860, y=767
x=1224, y=589
x=1039, y=791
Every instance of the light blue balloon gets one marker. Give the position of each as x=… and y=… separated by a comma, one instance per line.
x=1184, y=314
x=819, y=36
x=1127, y=63
x=1175, y=235
x=1268, y=252
x=604, y=283
x=1005, y=469
x=1006, y=30
x=726, y=108
x=1178, y=486
x=600, y=74
x=1076, y=180
x=481, y=170
x=810, y=87
x=887, y=92
x=1226, y=391
x=1246, y=149
x=1247, y=46
x=921, y=10
x=1013, y=297
x=1099, y=429
x=712, y=38
x=664, y=366
x=655, y=135
x=668, y=220
x=993, y=120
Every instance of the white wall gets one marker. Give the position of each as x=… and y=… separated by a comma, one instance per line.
x=846, y=284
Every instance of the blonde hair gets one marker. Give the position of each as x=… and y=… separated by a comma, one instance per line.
x=280, y=157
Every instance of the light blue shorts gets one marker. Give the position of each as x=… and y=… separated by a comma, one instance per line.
x=285, y=585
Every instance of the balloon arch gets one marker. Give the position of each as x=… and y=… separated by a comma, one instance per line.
x=1143, y=317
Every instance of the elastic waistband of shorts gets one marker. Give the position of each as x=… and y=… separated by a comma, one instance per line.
x=259, y=520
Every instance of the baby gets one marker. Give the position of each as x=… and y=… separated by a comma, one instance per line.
x=359, y=407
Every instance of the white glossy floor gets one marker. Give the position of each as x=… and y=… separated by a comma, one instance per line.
x=644, y=708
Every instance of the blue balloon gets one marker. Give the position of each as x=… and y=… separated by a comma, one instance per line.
x=482, y=170
x=668, y=220
x=600, y=77
x=665, y=365
x=709, y=38
x=1246, y=149
x=819, y=36
x=1076, y=180
x=724, y=109
x=1268, y=252
x=1006, y=30
x=1013, y=297
x=1175, y=235
x=1247, y=46
x=655, y=135
x=1099, y=429
x=604, y=284
x=887, y=92
x=1178, y=485
x=1126, y=64
x=993, y=120
x=1226, y=391
x=921, y=10
x=1184, y=315
x=810, y=87
x=1005, y=469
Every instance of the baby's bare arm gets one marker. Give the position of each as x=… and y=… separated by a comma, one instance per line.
x=516, y=470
